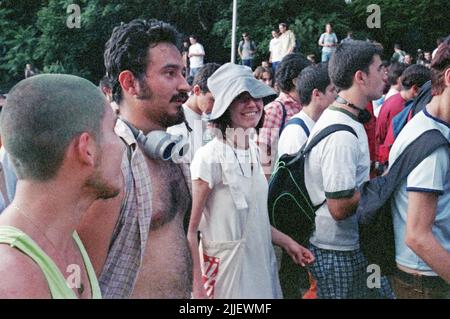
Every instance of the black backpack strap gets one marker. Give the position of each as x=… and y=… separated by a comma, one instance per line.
x=414, y=154
x=325, y=132
x=307, y=147
x=299, y=122
x=283, y=117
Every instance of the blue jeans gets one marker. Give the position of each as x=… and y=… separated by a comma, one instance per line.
x=274, y=66
x=326, y=56
x=247, y=62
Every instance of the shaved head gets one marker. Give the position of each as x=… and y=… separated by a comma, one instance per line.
x=42, y=115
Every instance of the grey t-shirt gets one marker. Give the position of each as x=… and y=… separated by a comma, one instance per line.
x=246, y=49
x=328, y=38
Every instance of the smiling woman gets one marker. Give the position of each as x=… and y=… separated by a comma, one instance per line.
x=229, y=205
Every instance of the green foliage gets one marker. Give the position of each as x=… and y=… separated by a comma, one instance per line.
x=56, y=67
x=36, y=31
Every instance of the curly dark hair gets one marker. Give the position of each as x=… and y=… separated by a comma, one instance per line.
x=289, y=69
x=127, y=49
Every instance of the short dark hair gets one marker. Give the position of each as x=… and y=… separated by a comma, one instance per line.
x=194, y=36
x=415, y=75
x=395, y=71
x=128, y=49
x=397, y=46
x=223, y=122
x=42, y=115
x=288, y=69
x=312, y=77
x=283, y=24
x=105, y=82
x=350, y=57
x=439, y=64
x=201, y=79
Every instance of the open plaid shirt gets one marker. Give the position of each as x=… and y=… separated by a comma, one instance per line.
x=127, y=247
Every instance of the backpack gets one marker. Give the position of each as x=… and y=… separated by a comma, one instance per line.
x=252, y=45
x=290, y=207
x=283, y=118
x=374, y=210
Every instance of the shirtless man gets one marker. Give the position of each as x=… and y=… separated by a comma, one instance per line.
x=59, y=132
x=145, y=65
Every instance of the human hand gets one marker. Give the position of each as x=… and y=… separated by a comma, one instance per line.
x=300, y=255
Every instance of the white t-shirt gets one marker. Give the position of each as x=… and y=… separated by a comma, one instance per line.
x=294, y=136
x=431, y=175
x=287, y=42
x=333, y=169
x=238, y=192
x=196, y=61
x=275, y=49
x=195, y=137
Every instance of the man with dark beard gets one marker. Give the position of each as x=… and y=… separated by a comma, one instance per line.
x=57, y=130
x=133, y=257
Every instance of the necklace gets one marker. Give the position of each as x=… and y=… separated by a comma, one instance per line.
x=239, y=162
x=80, y=289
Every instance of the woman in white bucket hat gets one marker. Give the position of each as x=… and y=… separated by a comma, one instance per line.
x=229, y=206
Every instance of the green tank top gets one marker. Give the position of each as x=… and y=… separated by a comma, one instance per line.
x=55, y=279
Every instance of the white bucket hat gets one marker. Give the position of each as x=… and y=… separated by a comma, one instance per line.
x=229, y=81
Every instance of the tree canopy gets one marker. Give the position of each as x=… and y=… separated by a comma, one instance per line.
x=37, y=32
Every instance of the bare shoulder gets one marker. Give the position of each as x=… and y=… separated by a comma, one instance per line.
x=97, y=226
x=20, y=276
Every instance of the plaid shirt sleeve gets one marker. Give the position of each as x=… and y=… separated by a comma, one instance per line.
x=268, y=134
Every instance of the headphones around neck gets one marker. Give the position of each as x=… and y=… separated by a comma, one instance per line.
x=363, y=117
x=160, y=145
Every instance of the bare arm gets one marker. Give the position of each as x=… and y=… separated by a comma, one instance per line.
x=200, y=193
x=239, y=51
x=343, y=207
x=419, y=236
x=299, y=254
x=321, y=41
x=21, y=278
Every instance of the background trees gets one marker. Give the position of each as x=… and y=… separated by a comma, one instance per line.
x=35, y=31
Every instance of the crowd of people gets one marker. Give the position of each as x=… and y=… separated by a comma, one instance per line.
x=151, y=187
